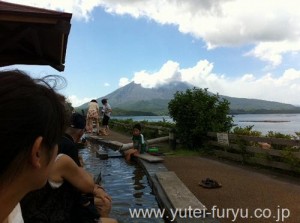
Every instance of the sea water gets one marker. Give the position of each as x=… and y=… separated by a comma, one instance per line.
x=283, y=123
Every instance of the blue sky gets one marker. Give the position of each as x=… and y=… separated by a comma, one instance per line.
x=236, y=48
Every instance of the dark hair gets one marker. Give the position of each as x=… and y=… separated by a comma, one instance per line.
x=104, y=100
x=94, y=100
x=137, y=126
x=77, y=121
x=29, y=108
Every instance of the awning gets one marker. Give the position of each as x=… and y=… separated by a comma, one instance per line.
x=33, y=36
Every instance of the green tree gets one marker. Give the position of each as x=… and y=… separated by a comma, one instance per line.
x=197, y=112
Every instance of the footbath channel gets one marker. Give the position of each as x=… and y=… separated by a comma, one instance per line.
x=173, y=198
x=126, y=183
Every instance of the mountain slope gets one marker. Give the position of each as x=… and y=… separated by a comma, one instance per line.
x=133, y=97
x=135, y=92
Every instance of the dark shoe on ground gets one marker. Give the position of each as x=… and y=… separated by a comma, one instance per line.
x=210, y=183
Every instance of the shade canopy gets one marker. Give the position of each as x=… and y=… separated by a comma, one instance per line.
x=33, y=36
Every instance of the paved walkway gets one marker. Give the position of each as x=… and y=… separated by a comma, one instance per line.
x=244, y=189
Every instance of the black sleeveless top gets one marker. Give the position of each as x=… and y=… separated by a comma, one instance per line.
x=48, y=205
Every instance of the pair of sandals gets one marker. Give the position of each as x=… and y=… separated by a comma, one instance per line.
x=210, y=183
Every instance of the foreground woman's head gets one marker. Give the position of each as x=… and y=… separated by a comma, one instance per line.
x=32, y=120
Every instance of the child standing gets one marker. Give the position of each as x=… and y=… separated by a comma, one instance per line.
x=106, y=110
x=139, y=145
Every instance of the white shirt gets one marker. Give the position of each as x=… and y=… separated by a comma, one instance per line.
x=16, y=215
x=107, y=109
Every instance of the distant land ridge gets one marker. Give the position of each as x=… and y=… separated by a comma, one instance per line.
x=133, y=99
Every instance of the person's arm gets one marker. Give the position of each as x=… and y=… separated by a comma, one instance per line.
x=109, y=108
x=99, y=192
x=75, y=175
x=142, y=144
x=97, y=107
x=81, y=161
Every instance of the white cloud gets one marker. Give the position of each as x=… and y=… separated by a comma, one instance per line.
x=271, y=26
x=75, y=101
x=106, y=84
x=80, y=9
x=123, y=81
x=168, y=73
x=284, y=88
x=273, y=51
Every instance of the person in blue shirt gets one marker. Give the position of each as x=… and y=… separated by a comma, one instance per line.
x=139, y=144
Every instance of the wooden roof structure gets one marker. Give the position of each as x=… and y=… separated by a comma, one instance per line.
x=33, y=36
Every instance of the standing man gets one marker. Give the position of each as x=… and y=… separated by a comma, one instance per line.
x=106, y=111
